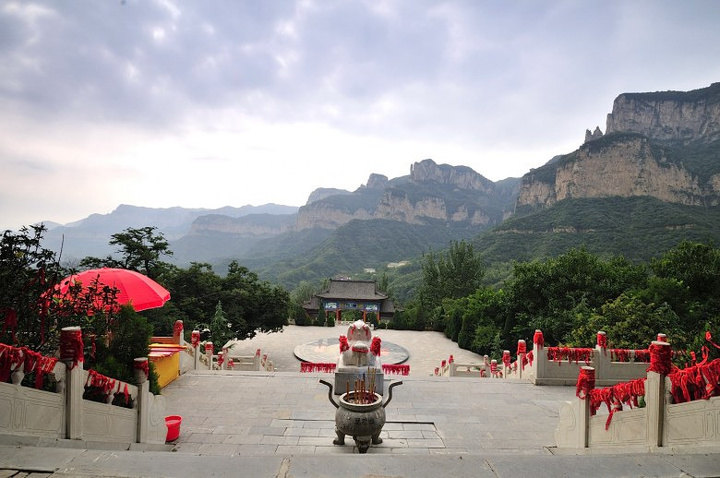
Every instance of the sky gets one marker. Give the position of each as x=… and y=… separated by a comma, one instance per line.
x=212, y=103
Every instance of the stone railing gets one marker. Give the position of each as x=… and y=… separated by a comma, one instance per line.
x=560, y=365
x=677, y=409
x=63, y=413
x=223, y=360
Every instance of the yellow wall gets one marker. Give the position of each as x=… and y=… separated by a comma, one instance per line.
x=167, y=368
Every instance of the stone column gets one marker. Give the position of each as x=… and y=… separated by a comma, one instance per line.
x=195, y=344
x=540, y=360
x=142, y=370
x=506, y=363
x=256, y=360
x=521, y=352
x=178, y=332
x=660, y=355
x=71, y=352
x=209, y=354
x=586, y=383
x=223, y=361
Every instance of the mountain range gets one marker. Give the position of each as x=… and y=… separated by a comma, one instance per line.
x=650, y=180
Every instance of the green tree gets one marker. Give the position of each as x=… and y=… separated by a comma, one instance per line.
x=542, y=295
x=630, y=323
x=220, y=327
x=140, y=250
x=452, y=275
x=696, y=267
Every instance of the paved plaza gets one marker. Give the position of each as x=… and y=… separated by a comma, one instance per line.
x=281, y=424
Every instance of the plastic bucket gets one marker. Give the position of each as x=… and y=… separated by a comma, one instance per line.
x=173, y=427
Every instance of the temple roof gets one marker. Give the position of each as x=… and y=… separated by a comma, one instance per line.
x=352, y=289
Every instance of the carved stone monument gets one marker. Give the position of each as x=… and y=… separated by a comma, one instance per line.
x=359, y=359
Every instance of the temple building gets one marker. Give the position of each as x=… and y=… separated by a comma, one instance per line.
x=347, y=294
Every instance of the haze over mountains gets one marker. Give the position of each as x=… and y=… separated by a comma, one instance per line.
x=651, y=179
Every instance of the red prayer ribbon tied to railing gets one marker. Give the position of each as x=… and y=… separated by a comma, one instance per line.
x=528, y=359
x=660, y=359
x=11, y=357
x=143, y=365
x=344, y=344
x=375, y=346
x=614, y=397
x=178, y=327
x=506, y=358
x=697, y=382
x=106, y=384
x=10, y=322
x=71, y=346
x=521, y=348
x=397, y=369
x=306, y=367
x=602, y=340
x=538, y=338
x=558, y=354
x=195, y=338
x=585, y=383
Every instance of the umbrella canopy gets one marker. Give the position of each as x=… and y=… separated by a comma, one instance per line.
x=134, y=288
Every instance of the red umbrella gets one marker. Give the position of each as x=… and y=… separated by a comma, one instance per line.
x=134, y=288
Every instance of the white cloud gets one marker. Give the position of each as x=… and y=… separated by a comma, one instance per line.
x=204, y=104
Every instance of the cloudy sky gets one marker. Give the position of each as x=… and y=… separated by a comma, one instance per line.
x=210, y=103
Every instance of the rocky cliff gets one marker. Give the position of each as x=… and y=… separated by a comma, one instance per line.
x=669, y=115
x=259, y=225
x=432, y=193
x=663, y=145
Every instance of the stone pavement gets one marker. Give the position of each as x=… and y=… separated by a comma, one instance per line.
x=280, y=424
x=426, y=349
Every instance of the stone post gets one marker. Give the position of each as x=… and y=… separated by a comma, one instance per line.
x=256, y=360
x=540, y=360
x=660, y=355
x=506, y=363
x=521, y=352
x=142, y=371
x=586, y=383
x=195, y=338
x=71, y=352
x=222, y=358
x=178, y=332
x=18, y=373
x=209, y=354
x=601, y=341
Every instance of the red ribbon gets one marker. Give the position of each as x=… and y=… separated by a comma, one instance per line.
x=325, y=367
x=71, y=347
x=195, y=338
x=143, y=365
x=397, y=369
x=660, y=356
x=522, y=347
x=10, y=322
x=602, y=340
x=375, y=346
x=558, y=354
x=344, y=344
x=585, y=383
x=538, y=338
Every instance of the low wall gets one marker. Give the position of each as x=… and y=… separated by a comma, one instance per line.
x=63, y=413
x=660, y=423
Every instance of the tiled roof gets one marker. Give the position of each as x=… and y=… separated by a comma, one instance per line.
x=352, y=289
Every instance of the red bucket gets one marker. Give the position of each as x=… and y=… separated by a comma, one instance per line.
x=173, y=427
